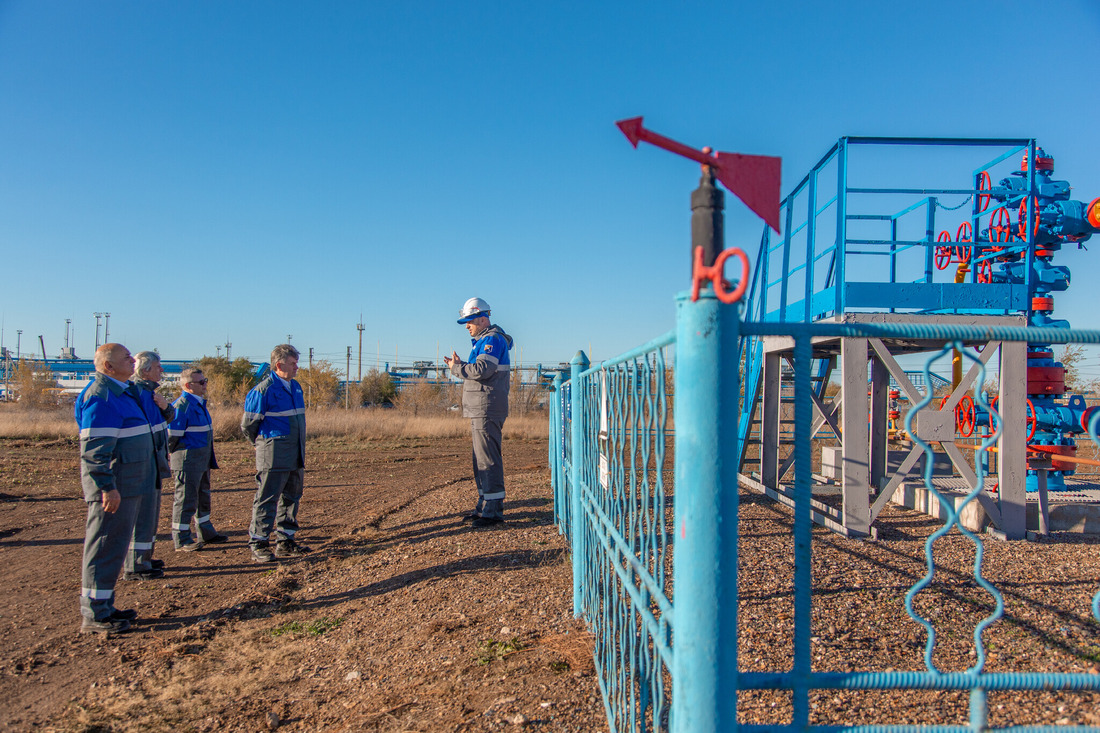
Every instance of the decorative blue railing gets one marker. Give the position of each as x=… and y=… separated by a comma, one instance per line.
x=611, y=433
x=670, y=662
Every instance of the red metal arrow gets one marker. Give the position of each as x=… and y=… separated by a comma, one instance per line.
x=755, y=179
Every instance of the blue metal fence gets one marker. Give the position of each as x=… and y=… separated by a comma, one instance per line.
x=670, y=662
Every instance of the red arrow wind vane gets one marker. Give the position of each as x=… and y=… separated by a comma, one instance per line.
x=752, y=178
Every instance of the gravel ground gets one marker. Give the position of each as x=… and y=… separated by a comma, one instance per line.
x=860, y=623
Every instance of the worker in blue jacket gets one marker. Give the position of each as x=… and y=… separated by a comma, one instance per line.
x=275, y=423
x=117, y=472
x=140, y=564
x=191, y=454
x=486, y=378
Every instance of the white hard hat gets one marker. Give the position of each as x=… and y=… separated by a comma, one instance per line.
x=473, y=308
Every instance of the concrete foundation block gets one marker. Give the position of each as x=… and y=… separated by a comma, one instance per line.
x=918, y=498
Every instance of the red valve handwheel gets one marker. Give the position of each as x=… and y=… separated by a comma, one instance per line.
x=985, y=183
x=1000, y=226
x=943, y=257
x=1031, y=420
x=1024, y=214
x=985, y=271
x=943, y=254
x=966, y=418
x=962, y=254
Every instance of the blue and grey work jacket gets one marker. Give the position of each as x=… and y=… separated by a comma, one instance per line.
x=158, y=422
x=116, y=440
x=486, y=375
x=191, y=435
x=275, y=422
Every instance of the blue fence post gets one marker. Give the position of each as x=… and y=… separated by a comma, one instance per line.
x=576, y=518
x=704, y=653
x=557, y=421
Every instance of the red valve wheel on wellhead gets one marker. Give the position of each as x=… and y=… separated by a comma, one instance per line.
x=943, y=254
x=962, y=254
x=993, y=412
x=1024, y=215
x=1000, y=226
x=1032, y=421
x=966, y=418
x=985, y=183
x=985, y=271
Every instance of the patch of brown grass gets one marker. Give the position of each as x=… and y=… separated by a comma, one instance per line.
x=575, y=647
x=360, y=423
x=36, y=423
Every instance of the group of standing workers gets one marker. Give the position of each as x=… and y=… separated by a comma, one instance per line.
x=131, y=439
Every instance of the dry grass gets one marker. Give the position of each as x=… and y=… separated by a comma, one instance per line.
x=364, y=423
x=46, y=423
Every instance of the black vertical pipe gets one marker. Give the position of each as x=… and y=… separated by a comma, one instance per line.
x=707, y=220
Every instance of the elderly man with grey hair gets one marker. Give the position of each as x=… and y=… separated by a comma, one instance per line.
x=140, y=564
x=275, y=423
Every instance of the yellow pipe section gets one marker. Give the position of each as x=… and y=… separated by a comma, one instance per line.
x=956, y=355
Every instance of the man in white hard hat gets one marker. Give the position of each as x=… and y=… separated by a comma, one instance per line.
x=485, y=402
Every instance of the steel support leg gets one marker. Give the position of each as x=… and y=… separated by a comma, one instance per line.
x=771, y=389
x=880, y=408
x=1011, y=454
x=855, y=442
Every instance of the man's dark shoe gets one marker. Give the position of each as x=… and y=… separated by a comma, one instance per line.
x=289, y=548
x=190, y=547
x=126, y=615
x=216, y=539
x=470, y=517
x=150, y=574
x=262, y=553
x=157, y=564
x=107, y=626
x=487, y=522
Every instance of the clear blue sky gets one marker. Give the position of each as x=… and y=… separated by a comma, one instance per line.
x=257, y=169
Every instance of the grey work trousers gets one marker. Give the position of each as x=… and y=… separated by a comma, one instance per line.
x=192, y=499
x=488, y=466
x=278, y=493
x=106, y=540
x=140, y=556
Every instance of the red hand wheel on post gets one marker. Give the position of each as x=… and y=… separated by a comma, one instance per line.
x=1024, y=215
x=985, y=271
x=985, y=183
x=966, y=418
x=1000, y=226
x=964, y=234
x=943, y=254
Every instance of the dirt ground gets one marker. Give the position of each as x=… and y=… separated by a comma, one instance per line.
x=401, y=619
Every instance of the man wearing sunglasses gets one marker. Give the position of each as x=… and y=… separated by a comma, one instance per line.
x=191, y=452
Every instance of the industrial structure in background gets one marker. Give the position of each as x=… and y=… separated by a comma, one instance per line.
x=860, y=247
x=73, y=374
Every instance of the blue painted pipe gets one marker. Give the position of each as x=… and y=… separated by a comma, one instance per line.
x=576, y=518
x=704, y=655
